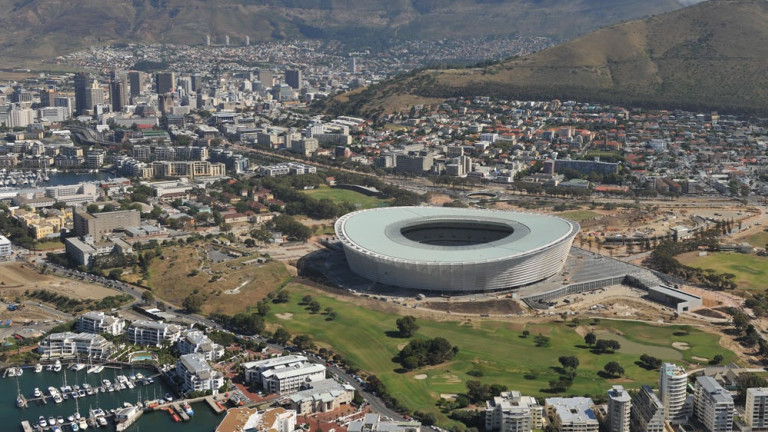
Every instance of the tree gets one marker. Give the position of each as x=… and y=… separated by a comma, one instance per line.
x=115, y=274
x=541, y=341
x=716, y=360
x=314, y=306
x=569, y=362
x=590, y=338
x=282, y=297
x=262, y=308
x=193, y=303
x=281, y=336
x=303, y=342
x=307, y=299
x=613, y=369
x=147, y=297
x=526, y=333
x=407, y=326
x=607, y=346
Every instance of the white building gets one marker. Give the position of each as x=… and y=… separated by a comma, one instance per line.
x=251, y=419
x=195, y=341
x=5, y=247
x=197, y=375
x=756, y=408
x=673, y=382
x=374, y=423
x=647, y=414
x=619, y=408
x=68, y=344
x=713, y=405
x=98, y=322
x=574, y=414
x=289, y=379
x=513, y=412
x=253, y=370
x=144, y=332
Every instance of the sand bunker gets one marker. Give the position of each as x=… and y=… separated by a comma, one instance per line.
x=701, y=359
x=682, y=346
x=420, y=376
x=284, y=316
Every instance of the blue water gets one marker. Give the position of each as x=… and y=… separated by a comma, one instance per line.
x=204, y=420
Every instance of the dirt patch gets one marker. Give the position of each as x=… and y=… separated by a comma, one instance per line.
x=420, y=376
x=495, y=307
x=682, y=346
x=16, y=278
x=709, y=313
x=448, y=396
x=284, y=316
x=581, y=331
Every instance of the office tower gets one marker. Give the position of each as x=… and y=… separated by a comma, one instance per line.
x=65, y=102
x=673, y=381
x=46, y=97
x=353, y=65
x=165, y=82
x=207, y=40
x=196, y=80
x=118, y=94
x=136, y=80
x=226, y=40
x=619, y=407
x=293, y=78
x=94, y=95
x=267, y=77
x=647, y=413
x=714, y=405
x=164, y=102
x=756, y=408
x=247, y=40
x=81, y=88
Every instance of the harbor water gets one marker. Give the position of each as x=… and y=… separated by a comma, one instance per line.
x=204, y=419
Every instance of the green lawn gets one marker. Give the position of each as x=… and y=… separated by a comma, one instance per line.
x=338, y=195
x=758, y=240
x=493, y=347
x=579, y=215
x=751, y=270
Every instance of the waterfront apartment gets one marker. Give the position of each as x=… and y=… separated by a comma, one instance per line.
x=197, y=375
x=673, y=384
x=196, y=342
x=513, y=412
x=321, y=396
x=713, y=405
x=99, y=322
x=71, y=345
x=374, y=423
x=574, y=414
x=619, y=407
x=253, y=370
x=756, y=408
x=647, y=414
x=155, y=333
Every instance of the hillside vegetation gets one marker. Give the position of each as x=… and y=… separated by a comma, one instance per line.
x=35, y=29
x=708, y=56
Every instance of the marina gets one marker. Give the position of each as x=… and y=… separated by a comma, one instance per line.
x=142, y=404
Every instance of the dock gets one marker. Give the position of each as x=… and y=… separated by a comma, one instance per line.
x=180, y=411
x=215, y=405
x=26, y=427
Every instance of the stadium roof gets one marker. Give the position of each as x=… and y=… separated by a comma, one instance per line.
x=379, y=231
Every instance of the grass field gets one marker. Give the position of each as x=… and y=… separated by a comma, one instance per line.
x=579, y=215
x=173, y=278
x=751, y=271
x=492, y=347
x=338, y=195
x=758, y=240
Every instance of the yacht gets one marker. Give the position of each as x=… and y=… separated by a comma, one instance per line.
x=20, y=401
x=60, y=420
x=102, y=421
x=48, y=368
x=187, y=408
x=83, y=425
x=11, y=372
x=19, y=371
x=75, y=427
x=56, y=428
x=51, y=420
x=70, y=418
x=38, y=368
x=42, y=422
x=78, y=367
x=57, y=366
x=81, y=393
x=37, y=392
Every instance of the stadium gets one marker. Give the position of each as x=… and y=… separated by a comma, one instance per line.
x=453, y=249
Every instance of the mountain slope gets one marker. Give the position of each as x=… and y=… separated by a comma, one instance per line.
x=713, y=55
x=45, y=28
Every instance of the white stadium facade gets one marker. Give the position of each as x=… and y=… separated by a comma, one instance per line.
x=454, y=249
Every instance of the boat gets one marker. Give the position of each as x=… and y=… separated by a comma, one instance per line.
x=37, y=392
x=42, y=422
x=81, y=393
x=168, y=397
x=52, y=391
x=51, y=420
x=187, y=408
x=77, y=367
x=102, y=421
x=75, y=427
x=48, y=368
x=83, y=425
x=56, y=428
x=60, y=420
x=57, y=366
x=19, y=371
x=70, y=418
x=176, y=418
x=98, y=369
x=38, y=368
x=20, y=402
x=11, y=372
x=139, y=376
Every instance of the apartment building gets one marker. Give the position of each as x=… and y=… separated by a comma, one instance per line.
x=99, y=322
x=713, y=405
x=70, y=345
x=647, y=414
x=196, y=342
x=513, y=412
x=197, y=375
x=155, y=333
x=619, y=408
x=574, y=414
x=756, y=409
x=374, y=423
x=673, y=382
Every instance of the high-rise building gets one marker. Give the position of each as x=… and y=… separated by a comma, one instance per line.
x=118, y=94
x=513, y=412
x=197, y=81
x=226, y=40
x=165, y=82
x=293, y=78
x=81, y=89
x=267, y=77
x=647, y=413
x=136, y=80
x=619, y=408
x=756, y=408
x=353, y=65
x=247, y=40
x=673, y=382
x=46, y=97
x=713, y=405
x=94, y=96
x=573, y=414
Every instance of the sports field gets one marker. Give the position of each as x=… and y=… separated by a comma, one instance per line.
x=751, y=270
x=579, y=215
x=338, y=195
x=494, y=348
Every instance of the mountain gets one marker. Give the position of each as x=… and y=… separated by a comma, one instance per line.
x=34, y=29
x=708, y=56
